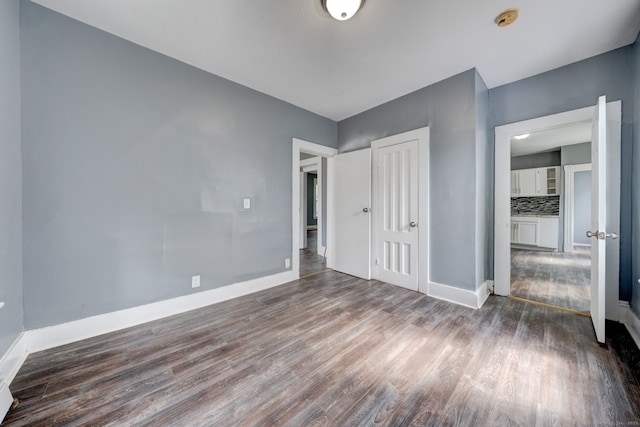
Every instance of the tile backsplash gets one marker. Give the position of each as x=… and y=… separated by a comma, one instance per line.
x=548, y=205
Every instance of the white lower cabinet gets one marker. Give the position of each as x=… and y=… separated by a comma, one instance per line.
x=535, y=231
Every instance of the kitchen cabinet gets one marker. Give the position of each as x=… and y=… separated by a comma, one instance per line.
x=535, y=182
x=548, y=181
x=524, y=231
x=540, y=232
x=548, y=232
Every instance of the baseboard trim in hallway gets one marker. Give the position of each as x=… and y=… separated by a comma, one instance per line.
x=555, y=307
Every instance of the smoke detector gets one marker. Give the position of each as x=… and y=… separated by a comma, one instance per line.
x=507, y=17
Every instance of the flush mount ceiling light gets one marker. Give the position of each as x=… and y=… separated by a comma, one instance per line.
x=342, y=9
x=507, y=17
x=523, y=136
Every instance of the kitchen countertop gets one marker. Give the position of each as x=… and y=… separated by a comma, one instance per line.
x=523, y=215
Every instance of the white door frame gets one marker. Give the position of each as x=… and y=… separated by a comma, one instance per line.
x=422, y=135
x=569, y=208
x=298, y=146
x=502, y=195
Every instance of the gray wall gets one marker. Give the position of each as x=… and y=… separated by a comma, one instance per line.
x=582, y=206
x=11, y=323
x=449, y=109
x=576, y=154
x=310, y=196
x=483, y=178
x=636, y=179
x=135, y=167
x=537, y=160
x=576, y=86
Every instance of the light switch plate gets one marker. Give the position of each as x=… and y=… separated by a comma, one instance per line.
x=246, y=203
x=195, y=281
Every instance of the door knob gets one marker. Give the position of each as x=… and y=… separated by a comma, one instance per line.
x=601, y=235
x=412, y=224
x=365, y=210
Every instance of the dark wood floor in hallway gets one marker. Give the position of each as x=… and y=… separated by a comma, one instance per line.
x=335, y=350
x=556, y=278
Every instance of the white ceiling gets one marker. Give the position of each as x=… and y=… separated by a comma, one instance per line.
x=552, y=139
x=293, y=50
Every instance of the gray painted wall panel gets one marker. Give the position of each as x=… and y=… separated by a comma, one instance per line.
x=135, y=167
x=576, y=86
x=11, y=318
x=635, y=202
x=483, y=178
x=537, y=160
x=576, y=154
x=449, y=109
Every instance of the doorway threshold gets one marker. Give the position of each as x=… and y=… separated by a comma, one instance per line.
x=555, y=307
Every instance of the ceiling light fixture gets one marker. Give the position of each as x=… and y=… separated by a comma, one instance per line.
x=342, y=9
x=523, y=136
x=507, y=17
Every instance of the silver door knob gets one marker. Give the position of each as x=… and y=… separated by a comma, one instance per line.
x=365, y=210
x=601, y=235
x=412, y=224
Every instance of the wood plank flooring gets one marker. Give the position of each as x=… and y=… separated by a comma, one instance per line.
x=310, y=263
x=335, y=350
x=556, y=278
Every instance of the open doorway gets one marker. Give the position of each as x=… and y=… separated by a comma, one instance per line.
x=550, y=253
x=310, y=195
x=608, y=163
x=312, y=203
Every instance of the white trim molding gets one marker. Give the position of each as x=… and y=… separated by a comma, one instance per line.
x=65, y=333
x=472, y=299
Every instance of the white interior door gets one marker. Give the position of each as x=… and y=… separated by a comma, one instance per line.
x=397, y=214
x=598, y=232
x=352, y=218
x=303, y=210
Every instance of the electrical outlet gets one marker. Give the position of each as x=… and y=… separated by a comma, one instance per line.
x=246, y=203
x=287, y=263
x=195, y=281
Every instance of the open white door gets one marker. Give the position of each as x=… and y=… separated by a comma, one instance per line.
x=352, y=219
x=598, y=231
x=303, y=210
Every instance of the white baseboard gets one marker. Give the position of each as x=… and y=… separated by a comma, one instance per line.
x=632, y=322
x=484, y=291
x=471, y=299
x=65, y=333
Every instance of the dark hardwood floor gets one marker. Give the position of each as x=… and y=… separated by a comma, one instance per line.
x=335, y=350
x=556, y=278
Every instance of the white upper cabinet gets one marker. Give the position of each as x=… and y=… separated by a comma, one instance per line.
x=535, y=182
